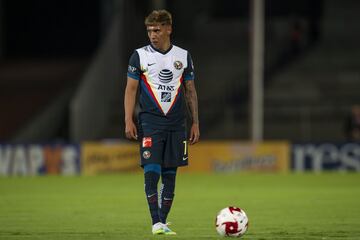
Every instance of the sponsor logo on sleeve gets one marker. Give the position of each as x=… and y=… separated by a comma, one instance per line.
x=131, y=69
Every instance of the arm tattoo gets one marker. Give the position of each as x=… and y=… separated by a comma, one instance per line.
x=191, y=99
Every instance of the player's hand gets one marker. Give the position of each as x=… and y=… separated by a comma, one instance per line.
x=130, y=130
x=194, y=133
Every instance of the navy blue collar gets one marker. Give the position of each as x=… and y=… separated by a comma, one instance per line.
x=158, y=50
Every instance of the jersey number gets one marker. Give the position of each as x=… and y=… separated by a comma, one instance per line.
x=185, y=147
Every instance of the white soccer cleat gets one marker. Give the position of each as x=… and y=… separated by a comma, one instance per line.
x=157, y=228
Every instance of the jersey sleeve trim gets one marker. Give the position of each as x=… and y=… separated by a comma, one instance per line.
x=133, y=76
x=188, y=77
x=134, y=70
x=189, y=70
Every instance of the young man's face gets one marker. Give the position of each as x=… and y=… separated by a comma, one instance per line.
x=159, y=34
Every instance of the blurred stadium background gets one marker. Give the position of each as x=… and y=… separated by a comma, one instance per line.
x=63, y=65
x=63, y=68
x=63, y=73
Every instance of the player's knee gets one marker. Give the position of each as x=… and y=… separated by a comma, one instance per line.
x=168, y=173
x=151, y=180
x=152, y=176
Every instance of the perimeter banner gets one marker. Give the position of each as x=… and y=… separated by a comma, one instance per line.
x=225, y=156
x=39, y=159
x=102, y=158
x=222, y=156
x=326, y=156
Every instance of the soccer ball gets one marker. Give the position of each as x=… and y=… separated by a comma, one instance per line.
x=231, y=222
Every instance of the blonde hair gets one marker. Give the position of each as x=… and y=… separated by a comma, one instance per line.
x=159, y=17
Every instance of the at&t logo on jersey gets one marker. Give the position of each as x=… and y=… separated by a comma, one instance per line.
x=165, y=76
x=167, y=88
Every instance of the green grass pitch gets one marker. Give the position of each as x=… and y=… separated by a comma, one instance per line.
x=279, y=206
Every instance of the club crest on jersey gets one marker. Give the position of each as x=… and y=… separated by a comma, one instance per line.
x=178, y=65
x=147, y=142
x=146, y=154
x=165, y=76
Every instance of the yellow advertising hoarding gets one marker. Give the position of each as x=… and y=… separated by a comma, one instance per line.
x=207, y=156
x=102, y=158
x=227, y=156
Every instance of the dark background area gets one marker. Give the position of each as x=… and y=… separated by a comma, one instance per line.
x=43, y=28
x=56, y=28
x=46, y=48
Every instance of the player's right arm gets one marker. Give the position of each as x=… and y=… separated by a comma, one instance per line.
x=133, y=77
x=129, y=105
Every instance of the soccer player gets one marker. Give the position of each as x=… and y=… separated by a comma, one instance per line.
x=165, y=74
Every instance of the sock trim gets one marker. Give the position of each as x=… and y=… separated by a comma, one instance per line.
x=152, y=167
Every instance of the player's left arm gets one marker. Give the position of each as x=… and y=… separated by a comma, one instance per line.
x=192, y=101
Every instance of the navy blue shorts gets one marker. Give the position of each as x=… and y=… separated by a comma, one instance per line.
x=169, y=148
